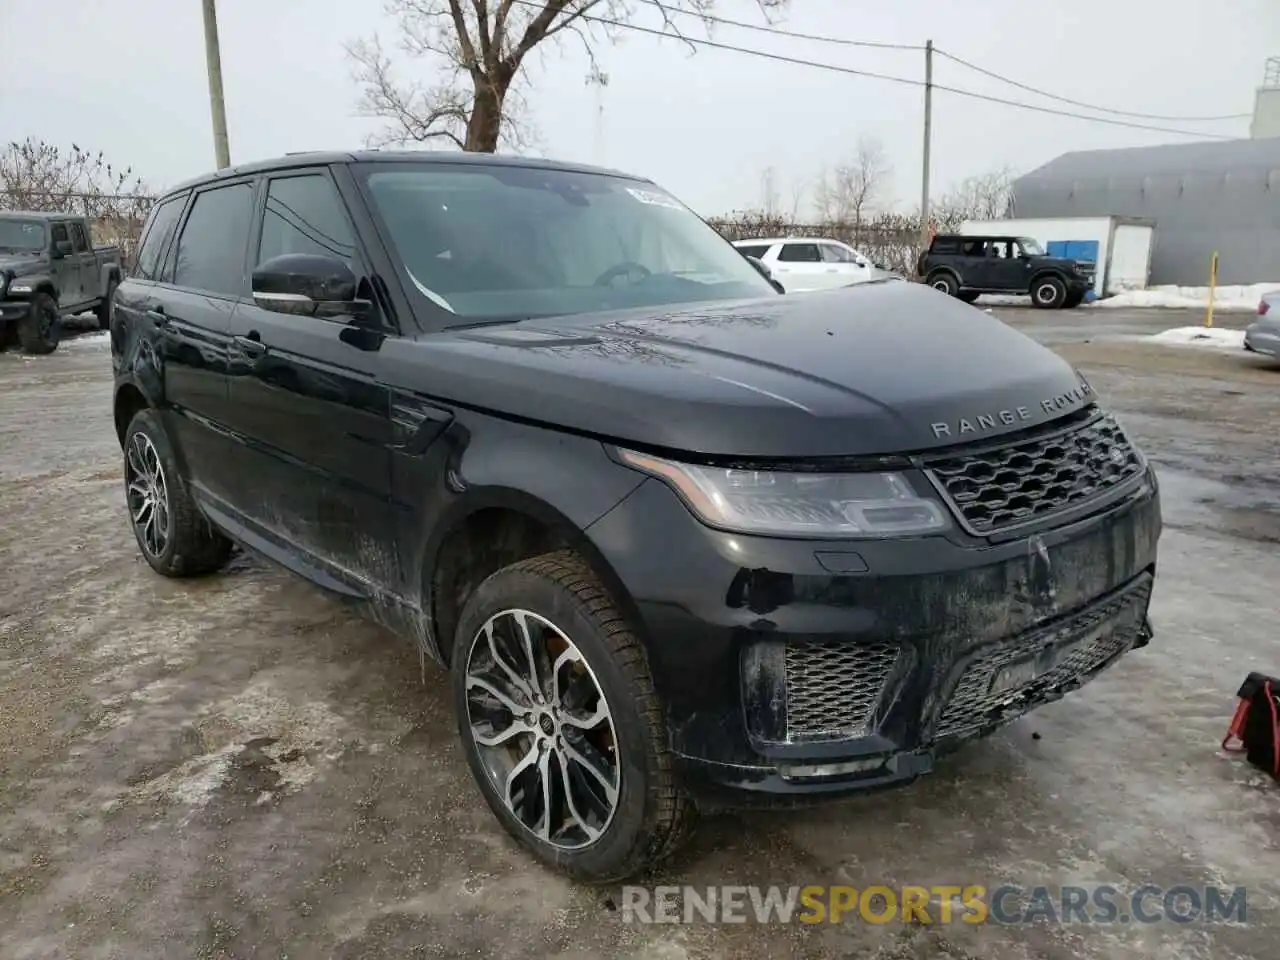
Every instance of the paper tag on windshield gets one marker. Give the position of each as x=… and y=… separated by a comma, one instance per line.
x=655, y=198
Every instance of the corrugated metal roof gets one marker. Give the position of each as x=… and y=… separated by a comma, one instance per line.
x=1173, y=158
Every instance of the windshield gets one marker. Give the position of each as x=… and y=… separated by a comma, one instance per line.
x=1030, y=247
x=21, y=234
x=505, y=243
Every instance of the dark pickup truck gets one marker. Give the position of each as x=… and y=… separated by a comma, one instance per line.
x=49, y=269
x=681, y=541
x=969, y=266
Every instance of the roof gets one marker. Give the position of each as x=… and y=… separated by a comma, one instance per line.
x=772, y=240
x=454, y=157
x=39, y=215
x=1174, y=158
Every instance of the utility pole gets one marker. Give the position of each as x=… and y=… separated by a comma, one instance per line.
x=928, y=136
x=213, y=60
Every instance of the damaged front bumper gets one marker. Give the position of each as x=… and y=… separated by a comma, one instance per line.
x=793, y=670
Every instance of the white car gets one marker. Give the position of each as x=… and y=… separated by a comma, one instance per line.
x=810, y=263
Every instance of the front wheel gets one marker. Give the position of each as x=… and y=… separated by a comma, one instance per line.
x=944, y=283
x=172, y=533
x=968, y=296
x=1048, y=293
x=561, y=724
x=40, y=329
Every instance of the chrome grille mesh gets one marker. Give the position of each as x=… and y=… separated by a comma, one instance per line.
x=1037, y=476
x=834, y=688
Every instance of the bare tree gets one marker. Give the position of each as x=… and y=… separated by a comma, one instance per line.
x=853, y=190
x=477, y=49
x=987, y=196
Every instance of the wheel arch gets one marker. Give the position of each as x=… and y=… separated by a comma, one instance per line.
x=492, y=528
x=129, y=399
x=937, y=272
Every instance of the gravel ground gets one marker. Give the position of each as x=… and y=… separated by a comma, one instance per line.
x=239, y=767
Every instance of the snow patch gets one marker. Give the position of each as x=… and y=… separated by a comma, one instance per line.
x=92, y=341
x=1215, y=338
x=1224, y=298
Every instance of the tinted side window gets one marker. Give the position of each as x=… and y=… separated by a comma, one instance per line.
x=79, y=243
x=156, y=236
x=756, y=251
x=305, y=215
x=799, y=253
x=60, y=232
x=212, y=244
x=945, y=245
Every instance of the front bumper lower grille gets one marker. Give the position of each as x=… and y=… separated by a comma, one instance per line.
x=836, y=690
x=1036, y=477
x=1012, y=677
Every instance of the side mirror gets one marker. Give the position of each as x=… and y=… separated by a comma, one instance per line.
x=312, y=285
x=61, y=248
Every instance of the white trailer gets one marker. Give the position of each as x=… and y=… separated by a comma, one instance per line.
x=1120, y=246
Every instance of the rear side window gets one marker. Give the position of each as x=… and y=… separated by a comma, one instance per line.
x=79, y=243
x=212, y=245
x=156, y=237
x=945, y=245
x=305, y=215
x=60, y=233
x=799, y=253
x=757, y=250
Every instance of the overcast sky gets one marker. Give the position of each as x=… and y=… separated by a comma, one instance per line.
x=128, y=77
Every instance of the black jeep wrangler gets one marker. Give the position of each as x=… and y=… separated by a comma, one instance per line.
x=967, y=267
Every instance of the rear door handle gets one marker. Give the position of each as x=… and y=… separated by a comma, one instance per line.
x=251, y=345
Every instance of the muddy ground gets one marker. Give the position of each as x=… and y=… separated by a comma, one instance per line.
x=239, y=767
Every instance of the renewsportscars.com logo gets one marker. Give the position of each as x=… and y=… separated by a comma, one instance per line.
x=937, y=904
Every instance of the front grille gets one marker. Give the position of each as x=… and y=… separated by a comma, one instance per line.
x=834, y=688
x=1035, y=477
x=1108, y=629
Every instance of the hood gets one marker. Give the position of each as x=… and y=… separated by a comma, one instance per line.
x=19, y=264
x=877, y=368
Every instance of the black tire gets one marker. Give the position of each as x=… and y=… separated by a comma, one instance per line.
x=1072, y=301
x=968, y=296
x=8, y=335
x=1048, y=293
x=190, y=546
x=40, y=329
x=652, y=814
x=104, y=308
x=944, y=282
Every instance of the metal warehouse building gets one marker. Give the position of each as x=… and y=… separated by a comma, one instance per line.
x=1203, y=197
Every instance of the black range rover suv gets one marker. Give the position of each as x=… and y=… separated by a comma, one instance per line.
x=681, y=541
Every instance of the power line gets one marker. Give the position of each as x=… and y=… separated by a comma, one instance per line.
x=850, y=71
x=1079, y=103
x=667, y=10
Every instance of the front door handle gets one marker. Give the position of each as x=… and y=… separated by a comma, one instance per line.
x=158, y=316
x=251, y=345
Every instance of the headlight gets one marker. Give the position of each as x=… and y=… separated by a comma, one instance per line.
x=798, y=504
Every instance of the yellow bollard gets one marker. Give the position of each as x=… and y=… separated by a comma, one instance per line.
x=1213, y=283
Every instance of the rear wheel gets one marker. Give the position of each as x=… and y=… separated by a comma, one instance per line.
x=172, y=533
x=944, y=283
x=1048, y=293
x=40, y=329
x=561, y=724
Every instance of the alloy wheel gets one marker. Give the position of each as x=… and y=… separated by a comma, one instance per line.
x=542, y=729
x=147, y=494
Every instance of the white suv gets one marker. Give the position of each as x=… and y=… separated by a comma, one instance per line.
x=810, y=263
